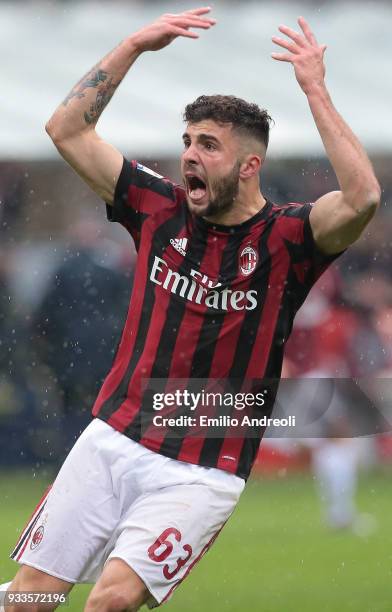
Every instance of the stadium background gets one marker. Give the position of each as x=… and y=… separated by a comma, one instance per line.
x=66, y=275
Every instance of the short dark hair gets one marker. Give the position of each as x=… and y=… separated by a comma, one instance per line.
x=244, y=116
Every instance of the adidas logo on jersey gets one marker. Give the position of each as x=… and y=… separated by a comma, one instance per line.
x=179, y=244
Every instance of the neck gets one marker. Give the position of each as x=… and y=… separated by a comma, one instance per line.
x=242, y=210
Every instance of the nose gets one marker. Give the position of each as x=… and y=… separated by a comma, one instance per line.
x=190, y=155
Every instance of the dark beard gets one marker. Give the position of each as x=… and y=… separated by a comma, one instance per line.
x=225, y=190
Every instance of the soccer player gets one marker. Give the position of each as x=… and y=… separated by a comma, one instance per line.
x=220, y=274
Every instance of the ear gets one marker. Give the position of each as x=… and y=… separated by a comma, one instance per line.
x=250, y=166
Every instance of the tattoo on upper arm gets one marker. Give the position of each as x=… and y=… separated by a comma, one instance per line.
x=91, y=79
x=97, y=79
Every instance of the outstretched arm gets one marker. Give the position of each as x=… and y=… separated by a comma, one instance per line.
x=72, y=126
x=339, y=217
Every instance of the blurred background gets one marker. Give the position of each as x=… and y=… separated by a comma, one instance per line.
x=312, y=527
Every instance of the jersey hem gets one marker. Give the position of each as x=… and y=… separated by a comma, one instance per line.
x=49, y=572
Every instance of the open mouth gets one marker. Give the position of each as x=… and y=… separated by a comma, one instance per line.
x=196, y=187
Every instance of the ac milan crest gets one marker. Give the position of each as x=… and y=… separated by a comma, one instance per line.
x=248, y=260
x=37, y=537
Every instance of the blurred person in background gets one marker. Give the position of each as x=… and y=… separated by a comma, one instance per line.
x=382, y=320
x=220, y=274
x=335, y=462
x=18, y=397
x=12, y=197
x=76, y=314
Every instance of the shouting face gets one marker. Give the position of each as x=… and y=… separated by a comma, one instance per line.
x=210, y=167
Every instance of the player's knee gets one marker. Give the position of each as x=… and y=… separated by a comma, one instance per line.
x=116, y=599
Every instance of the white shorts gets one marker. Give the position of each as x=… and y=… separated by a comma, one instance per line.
x=115, y=498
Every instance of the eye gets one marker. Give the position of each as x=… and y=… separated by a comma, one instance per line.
x=209, y=146
x=186, y=143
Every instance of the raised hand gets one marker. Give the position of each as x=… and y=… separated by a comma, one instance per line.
x=164, y=30
x=306, y=55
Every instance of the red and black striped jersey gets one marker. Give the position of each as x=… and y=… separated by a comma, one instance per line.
x=208, y=302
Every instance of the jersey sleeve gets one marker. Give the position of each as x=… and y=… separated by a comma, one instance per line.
x=306, y=259
x=139, y=193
